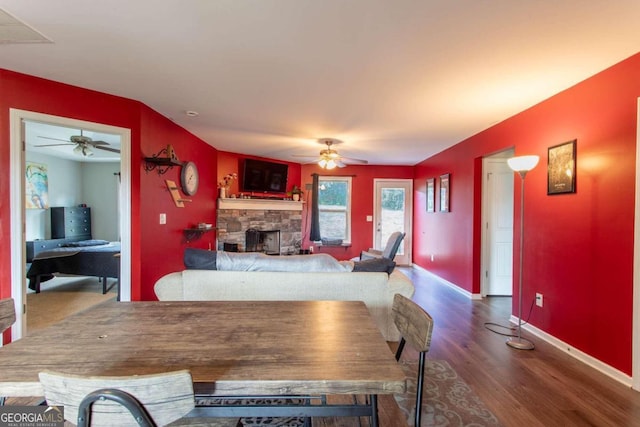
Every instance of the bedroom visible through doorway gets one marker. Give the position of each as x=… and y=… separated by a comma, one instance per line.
x=72, y=180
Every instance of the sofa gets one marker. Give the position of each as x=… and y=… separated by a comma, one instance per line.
x=375, y=289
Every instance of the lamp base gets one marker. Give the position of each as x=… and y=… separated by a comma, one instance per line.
x=520, y=343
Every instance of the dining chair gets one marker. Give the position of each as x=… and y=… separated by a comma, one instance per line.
x=7, y=314
x=139, y=400
x=390, y=249
x=415, y=326
x=7, y=318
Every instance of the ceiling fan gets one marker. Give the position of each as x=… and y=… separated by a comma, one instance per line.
x=83, y=144
x=329, y=158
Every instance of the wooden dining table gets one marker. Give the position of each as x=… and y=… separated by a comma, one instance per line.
x=233, y=349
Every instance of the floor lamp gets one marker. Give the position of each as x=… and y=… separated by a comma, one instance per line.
x=521, y=165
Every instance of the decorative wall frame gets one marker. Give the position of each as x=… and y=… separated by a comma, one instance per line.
x=444, y=192
x=36, y=186
x=561, y=168
x=431, y=195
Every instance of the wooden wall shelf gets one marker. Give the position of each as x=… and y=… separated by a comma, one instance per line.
x=191, y=234
x=163, y=164
x=164, y=160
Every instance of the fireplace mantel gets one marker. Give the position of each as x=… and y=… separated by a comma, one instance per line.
x=260, y=204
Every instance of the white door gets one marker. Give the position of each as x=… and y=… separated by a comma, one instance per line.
x=393, y=205
x=497, y=265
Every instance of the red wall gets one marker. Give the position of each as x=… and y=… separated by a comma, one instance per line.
x=156, y=250
x=233, y=163
x=362, y=203
x=579, y=247
x=363, y=176
x=163, y=245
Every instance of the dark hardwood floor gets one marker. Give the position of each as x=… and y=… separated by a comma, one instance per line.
x=543, y=387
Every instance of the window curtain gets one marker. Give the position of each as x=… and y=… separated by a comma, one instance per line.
x=314, y=230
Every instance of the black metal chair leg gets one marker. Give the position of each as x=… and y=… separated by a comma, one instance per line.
x=400, y=348
x=420, y=386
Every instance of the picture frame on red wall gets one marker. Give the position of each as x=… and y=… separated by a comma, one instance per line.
x=444, y=192
x=431, y=195
x=561, y=168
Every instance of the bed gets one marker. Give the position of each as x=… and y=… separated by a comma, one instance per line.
x=98, y=258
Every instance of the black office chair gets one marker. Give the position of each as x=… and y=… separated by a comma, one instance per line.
x=415, y=326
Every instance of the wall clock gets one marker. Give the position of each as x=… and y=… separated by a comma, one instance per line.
x=189, y=178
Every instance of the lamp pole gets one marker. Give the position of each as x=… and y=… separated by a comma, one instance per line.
x=521, y=165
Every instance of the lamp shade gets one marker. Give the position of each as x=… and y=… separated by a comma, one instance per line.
x=523, y=163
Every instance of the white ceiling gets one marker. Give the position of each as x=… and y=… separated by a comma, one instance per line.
x=397, y=81
x=54, y=140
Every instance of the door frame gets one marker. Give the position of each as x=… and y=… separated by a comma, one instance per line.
x=17, y=199
x=635, y=327
x=407, y=242
x=485, y=259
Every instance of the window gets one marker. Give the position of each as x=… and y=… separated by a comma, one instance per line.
x=334, y=200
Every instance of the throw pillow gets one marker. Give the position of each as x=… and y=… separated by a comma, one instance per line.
x=374, y=265
x=199, y=259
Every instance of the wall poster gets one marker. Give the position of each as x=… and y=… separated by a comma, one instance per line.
x=37, y=186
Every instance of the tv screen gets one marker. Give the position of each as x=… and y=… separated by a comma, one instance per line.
x=263, y=176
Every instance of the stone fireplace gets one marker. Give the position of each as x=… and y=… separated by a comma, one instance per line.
x=279, y=222
x=267, y=241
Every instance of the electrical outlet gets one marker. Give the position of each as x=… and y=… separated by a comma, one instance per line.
x=432, y=257
x=163, y=218
x=539, y=299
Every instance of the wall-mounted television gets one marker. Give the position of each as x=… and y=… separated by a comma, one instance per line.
x=263, y=176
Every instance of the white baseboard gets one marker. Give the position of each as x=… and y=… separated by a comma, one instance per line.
x=583, y=357
x=449, y=284
x=580, y=355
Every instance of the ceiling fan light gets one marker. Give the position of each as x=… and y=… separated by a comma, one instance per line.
x=86, y=151
x=78, y=150
x=322, y=163
x=331, y=164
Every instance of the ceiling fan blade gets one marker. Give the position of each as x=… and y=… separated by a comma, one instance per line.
x=53, y=145
x=113, y=150
x=356, y=161
x=55, y=139
x=95, y=143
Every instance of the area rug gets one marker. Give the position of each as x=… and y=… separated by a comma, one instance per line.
x=258, y=421
x=446, y=401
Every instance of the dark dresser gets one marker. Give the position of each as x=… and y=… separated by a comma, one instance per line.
x=67, y=225
x=72, y=222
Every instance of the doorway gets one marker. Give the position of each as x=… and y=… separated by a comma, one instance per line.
x=392, y=212
x=497, y=225
x=18, y=216
x=635, y=347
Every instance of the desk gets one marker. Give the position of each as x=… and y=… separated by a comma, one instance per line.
x=232, y=348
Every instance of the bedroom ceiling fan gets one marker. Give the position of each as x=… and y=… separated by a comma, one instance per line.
x=329, y=158
x=84, y=145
